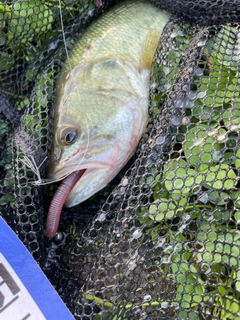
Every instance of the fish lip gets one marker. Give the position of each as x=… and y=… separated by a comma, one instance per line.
x=80, y=160
x=81, y=192
x=65, y=171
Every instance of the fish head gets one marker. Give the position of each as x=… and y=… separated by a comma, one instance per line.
x=93, y=131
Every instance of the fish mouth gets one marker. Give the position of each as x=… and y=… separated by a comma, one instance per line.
x=96, y=155
x=90, y=182
x=97, y=166
x=93, y=178
x=65, y=171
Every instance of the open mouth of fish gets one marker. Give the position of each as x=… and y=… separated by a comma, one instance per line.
x=90, y=163
x=83, y=176
x=79, y=181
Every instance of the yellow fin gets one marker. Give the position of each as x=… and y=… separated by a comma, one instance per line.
x=149, y=48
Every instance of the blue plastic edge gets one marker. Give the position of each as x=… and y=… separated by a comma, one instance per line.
x=43, y=293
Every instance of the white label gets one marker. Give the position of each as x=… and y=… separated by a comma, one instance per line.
x=15, y=301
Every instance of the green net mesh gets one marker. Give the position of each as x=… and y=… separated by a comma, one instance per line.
x=162, y=240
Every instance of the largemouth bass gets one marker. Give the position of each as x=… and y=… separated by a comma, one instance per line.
x=101, y=107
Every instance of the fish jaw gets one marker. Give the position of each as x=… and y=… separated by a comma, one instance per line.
x=98, y=155
x=101, y=164
x=97, y=177
x=93, y=180
x=98, y=174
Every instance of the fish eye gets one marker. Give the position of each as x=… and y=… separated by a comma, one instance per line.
x=68, y=136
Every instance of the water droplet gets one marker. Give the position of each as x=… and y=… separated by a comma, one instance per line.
x=192, y=95
x=180, y=33
x=166, y=70
x=201, y=94
x=201, y=43
x=217, y=155
x=102, y=217
x=125, y=182
x=165, y=305
x=89, y=241
x=204, y=198
x=176, y=121
x=190, y=69
x=137, y=234
x=121, y=190
x=91, y=12
x=166, y=86
x=229, y=51
x=189, y=104
x=53, y=45
x=160, y=140
x=179, y=104
x=173, y=34
x=147, y=297
x=199, y=72
x=132, y=265
x=235, y=58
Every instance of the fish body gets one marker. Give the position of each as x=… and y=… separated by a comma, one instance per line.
x=101, y=106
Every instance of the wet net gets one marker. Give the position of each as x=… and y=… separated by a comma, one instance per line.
x=162, y=240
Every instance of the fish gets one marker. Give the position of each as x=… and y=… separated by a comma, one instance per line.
x=101, y=104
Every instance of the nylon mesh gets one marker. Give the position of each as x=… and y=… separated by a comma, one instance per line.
x=162, y=240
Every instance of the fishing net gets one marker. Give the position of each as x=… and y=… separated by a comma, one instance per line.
x=162, y=240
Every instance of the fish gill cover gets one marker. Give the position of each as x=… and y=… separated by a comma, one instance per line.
x=162, y=240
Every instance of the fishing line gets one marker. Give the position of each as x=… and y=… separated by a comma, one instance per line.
x=63, y=34
x=78, y=93
x=27, y=161
x=31, y=162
